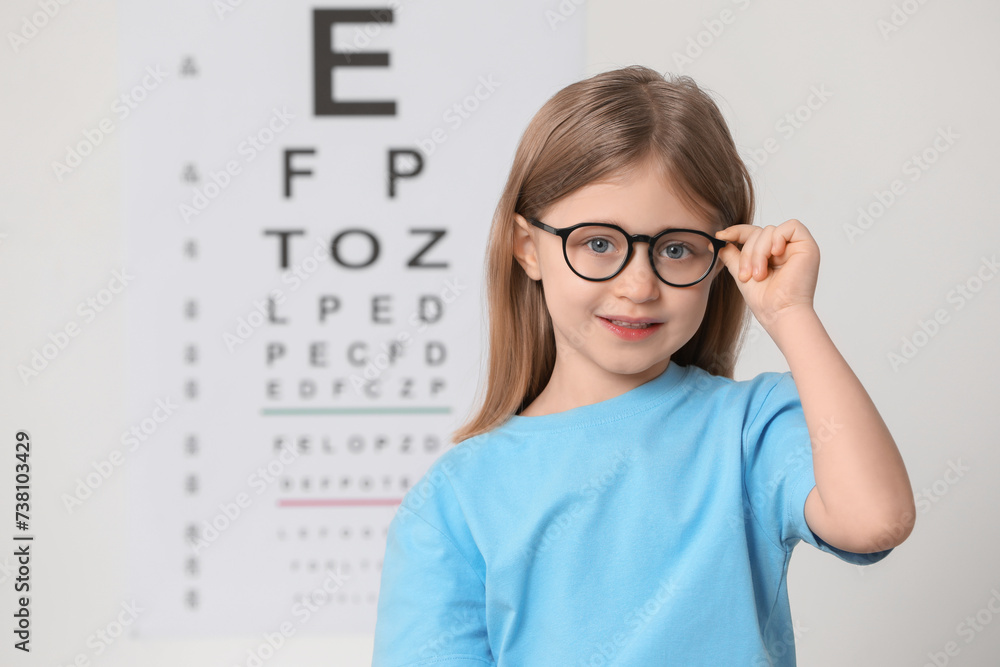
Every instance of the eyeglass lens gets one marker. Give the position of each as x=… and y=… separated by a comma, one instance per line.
x=678, y=257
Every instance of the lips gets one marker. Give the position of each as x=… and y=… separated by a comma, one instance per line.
x=634, y=322
x=630, y=325
x=630, y=328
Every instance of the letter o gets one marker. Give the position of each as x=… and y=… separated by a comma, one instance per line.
x=373, y=252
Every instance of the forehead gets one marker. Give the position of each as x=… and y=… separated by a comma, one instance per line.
x=643, y=202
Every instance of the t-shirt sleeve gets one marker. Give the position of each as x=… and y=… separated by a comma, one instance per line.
x=431, y=605
x=778, y=470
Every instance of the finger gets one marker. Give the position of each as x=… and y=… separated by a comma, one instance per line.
x=794, y=231
x=737, y=234
x=778, y=244
x=746, y=255
x=762, y=252
x=730, y=258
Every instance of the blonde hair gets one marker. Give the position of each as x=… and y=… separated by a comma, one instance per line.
x=596, y=130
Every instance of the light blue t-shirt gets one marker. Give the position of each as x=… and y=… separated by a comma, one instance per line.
x=652, y=528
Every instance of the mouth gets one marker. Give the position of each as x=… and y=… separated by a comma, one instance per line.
x=629, y=328
x=631, y=322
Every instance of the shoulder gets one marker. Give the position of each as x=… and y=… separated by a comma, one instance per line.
x=751, y=390
x=446, y=480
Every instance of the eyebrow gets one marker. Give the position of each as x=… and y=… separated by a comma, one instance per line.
x=697, y=224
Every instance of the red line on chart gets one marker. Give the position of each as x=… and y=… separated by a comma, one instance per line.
x=337, y=502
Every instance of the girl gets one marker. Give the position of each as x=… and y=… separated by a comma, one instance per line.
x=618, y=498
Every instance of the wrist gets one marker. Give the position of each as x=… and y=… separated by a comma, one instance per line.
x=791, y=323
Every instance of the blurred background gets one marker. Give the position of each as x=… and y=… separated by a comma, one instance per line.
x=241, y=247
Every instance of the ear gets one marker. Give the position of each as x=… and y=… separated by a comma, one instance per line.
x=525, y=249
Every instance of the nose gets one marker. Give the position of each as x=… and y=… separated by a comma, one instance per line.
x=637, y=281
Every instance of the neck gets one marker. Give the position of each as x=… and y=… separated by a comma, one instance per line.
x=575, y=384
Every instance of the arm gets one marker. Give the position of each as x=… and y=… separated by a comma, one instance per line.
x=862, y=501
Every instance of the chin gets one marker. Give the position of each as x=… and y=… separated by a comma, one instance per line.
x=633, y=368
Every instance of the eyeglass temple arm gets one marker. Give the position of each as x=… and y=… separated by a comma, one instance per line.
x=542, y=225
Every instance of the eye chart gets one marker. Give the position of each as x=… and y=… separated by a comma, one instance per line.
x=307, y=195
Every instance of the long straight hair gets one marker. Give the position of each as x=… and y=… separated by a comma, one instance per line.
x=595, y=130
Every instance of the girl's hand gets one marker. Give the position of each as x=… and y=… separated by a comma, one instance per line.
x=776, y=269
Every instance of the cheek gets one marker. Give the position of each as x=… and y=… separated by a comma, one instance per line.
x=694, y=305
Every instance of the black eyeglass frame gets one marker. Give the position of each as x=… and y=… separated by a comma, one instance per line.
x=564, y=232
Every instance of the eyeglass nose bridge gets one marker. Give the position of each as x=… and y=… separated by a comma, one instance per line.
x=631, y=239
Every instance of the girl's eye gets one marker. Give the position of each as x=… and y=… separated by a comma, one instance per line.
x=676, y=251
x=599, y=245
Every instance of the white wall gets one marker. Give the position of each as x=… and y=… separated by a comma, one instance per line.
x=889, y=96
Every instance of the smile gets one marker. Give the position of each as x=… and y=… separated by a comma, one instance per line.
x=630, y=330
x=629, y=325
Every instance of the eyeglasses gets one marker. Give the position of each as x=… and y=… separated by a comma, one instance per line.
x=599, y=251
